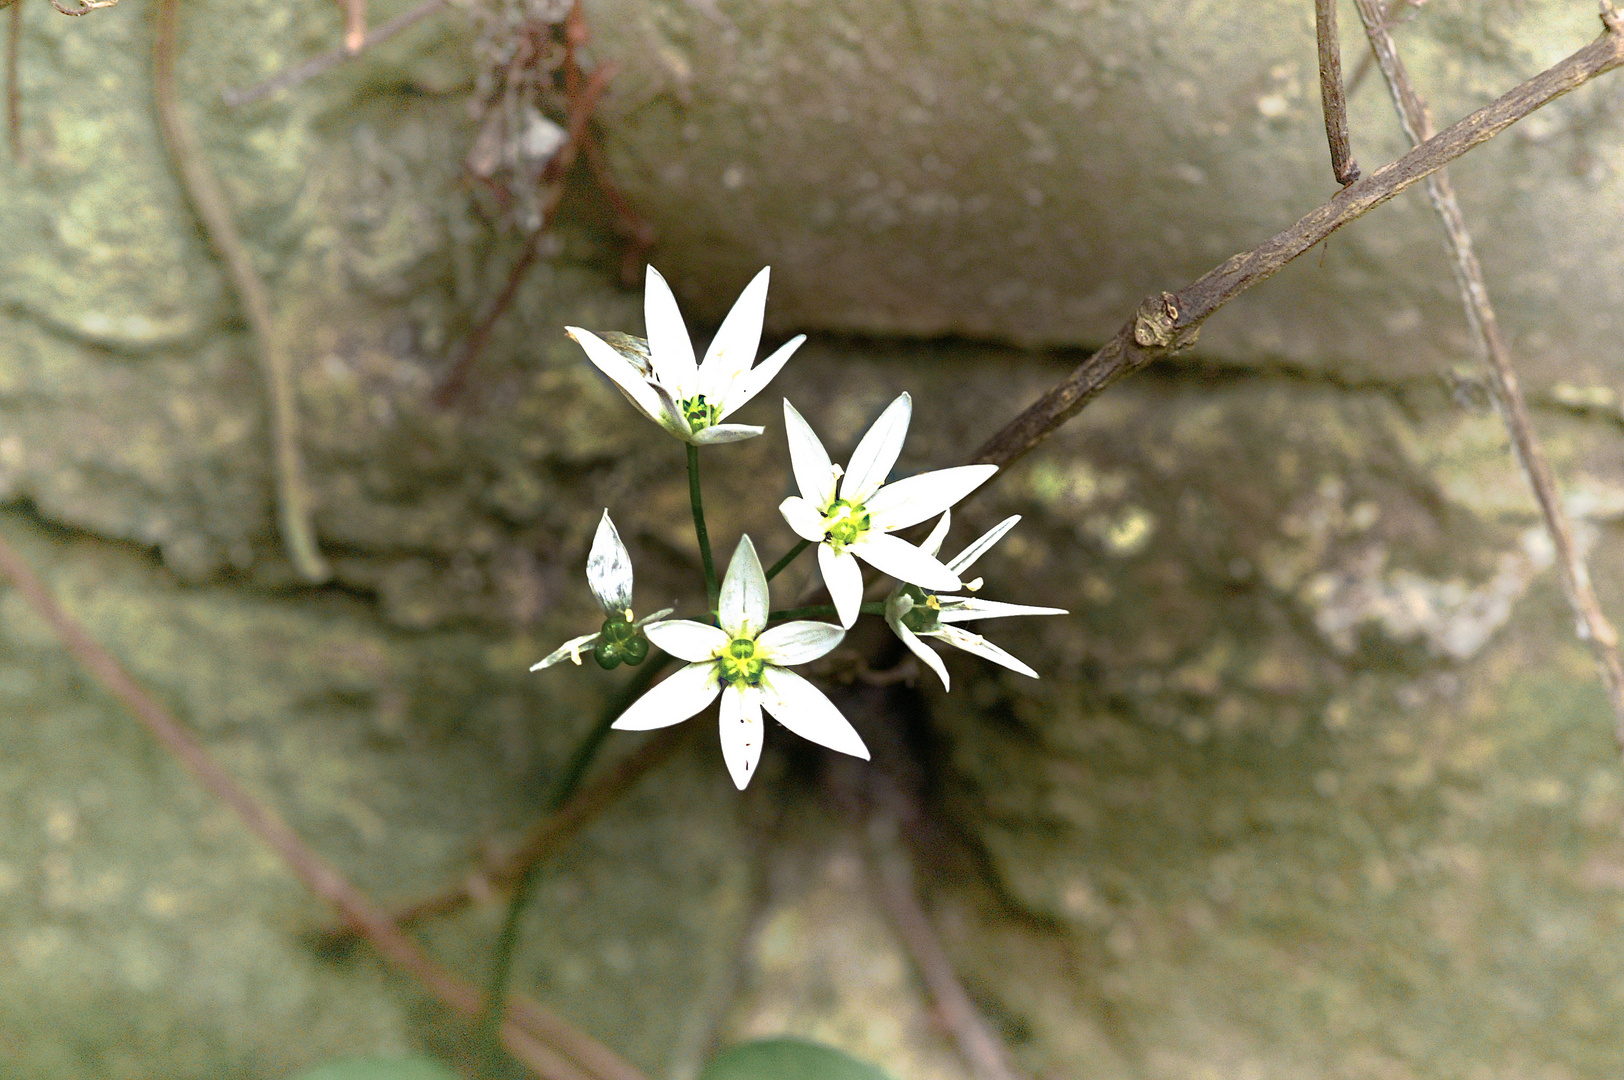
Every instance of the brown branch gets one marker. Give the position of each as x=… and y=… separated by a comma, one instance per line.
x=209, y=202
x=1417, y=121
x=544, y=839
x=583, y=97
x=1335, y=104
x=982, y=1050
x=1391, y=17
x=538, y=1038
x=355, y=25
x=14, y=86
x=297, y=74
x=1169, y=322
x=85, y=6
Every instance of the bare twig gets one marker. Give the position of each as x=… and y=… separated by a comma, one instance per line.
x=292, y=495
x=582, y=95
x=1391, y=16
x=982, y=1050
x=1417, y=121
x=1343, y=167
x=538, y=1038
x=355, y=25
x=1169, y=322
x=544, y=839
x=14, y=86
x=297, y=74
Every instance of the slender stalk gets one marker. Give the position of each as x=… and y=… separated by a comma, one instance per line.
x=293, y=496
x=1332, y=99
x=552, y=1048
x=491, y=1017
x=1168, y=322
x=1570, y=561
x=310, y=68
x=789, y=556
x=712, y=590
x=14, y=93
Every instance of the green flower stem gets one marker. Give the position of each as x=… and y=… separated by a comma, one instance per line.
x=489, y=1027
x=789, y=557
x=712, y=590
x=873, y=607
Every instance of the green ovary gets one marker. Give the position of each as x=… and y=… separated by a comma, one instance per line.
x=925, y=615
x=739, y=665
x=699, y=413
x=843, y=523
x=620, y=642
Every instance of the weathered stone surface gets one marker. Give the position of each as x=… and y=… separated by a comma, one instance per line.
x=145, y=932
x=1028, y=170
x=1315, y=781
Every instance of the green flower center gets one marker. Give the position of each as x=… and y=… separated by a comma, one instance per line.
x=739, y=665
x=925, y=615
x=699, y=413
x=843, y=523
x=621, y=641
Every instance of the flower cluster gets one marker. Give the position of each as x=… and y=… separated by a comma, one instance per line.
x=743, y=652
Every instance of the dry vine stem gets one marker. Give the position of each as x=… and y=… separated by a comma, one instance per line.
x=292, y=495
x=892, y=876
x=14, y=90
x=1168, y=322
x=1417, y=121
x=547, y=837
x=1332, y=99
x=551, y=1047
x=297, y=74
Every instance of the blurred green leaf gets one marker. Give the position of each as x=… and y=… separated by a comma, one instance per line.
x=788, y=1059
x=377, y=1068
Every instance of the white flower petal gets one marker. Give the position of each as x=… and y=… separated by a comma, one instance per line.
x=609, y=569
x=932, y=544
x=908, y=502
x=670, y=415
x=742, y=732
x=681, y=695
x=725, y=433
x=733, y=349
x=895, y=556
x=570, y=650
x=798, y=642
x=742, y=608
x=966, y=558
x=877, y=451
x=803, y=518
x=688, y=640
x=802, y=708
x=923, y=651
x=672, y=352
x=627, y=378
x=979, y=646
x=814, y=472
x=957, y=609
x=844, y=580
x=755, y=380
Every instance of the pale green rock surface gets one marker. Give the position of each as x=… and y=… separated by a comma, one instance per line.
x=1316, y=781
x=1027, y=170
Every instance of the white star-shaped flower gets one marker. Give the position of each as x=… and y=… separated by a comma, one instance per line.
x=609, y=576
x=659, y=375
x=857, y=521
x=914, y=612
x=748, y=666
